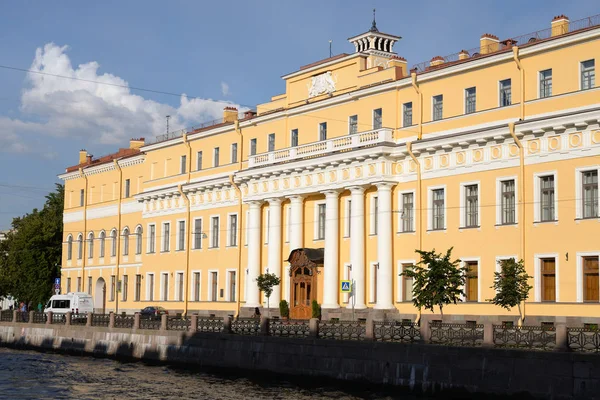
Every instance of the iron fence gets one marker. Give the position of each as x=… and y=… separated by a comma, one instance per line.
x=178, y=323
x=245, y=326
x=6, y=315
x=39, y=318
x=584, y=339
x=149, y=323
x=289, y=328
x=100, y=320
x=342, y=330
x=468, y=334
x=79, y=319
x=525, y=337
x=124, y=321
x=23, y=316
x=210, y=325
x=59, y=319
x=396, y=331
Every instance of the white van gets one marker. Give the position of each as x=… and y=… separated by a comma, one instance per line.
x=75, y=302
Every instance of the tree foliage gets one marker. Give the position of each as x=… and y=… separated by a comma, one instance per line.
x=511, y=284
x=437, y=280
x=30, y=256
x=266, y=282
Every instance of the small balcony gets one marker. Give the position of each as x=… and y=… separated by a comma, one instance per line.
x=325, y=147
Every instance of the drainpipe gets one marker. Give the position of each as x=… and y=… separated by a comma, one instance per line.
x=187, y=224
x=511, y=129
x=413, y=75
x=420, y=205
x=84, y=239
x=238, y=286
x=515, y=50
x=118, y=168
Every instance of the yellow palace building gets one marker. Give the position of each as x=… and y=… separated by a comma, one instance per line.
x=492, y=151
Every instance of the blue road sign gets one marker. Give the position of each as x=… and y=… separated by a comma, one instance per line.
x=57, y=281
x=346, y=287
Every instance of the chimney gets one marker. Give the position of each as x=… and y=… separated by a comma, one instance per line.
x=88, y=159
x=400, y=62
x=488, y=43
x=560, y=25
x=249, y=114
x=136, y=143
x=435, y=61
x=230, y=114
x=463, y=55
x=82, y=156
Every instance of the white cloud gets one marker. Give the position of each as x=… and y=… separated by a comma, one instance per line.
x=224, y=89
x=97, y=112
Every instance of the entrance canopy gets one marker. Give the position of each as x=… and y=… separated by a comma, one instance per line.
x=305, y=257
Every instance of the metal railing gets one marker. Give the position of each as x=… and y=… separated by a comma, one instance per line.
x=342, y=330
x=100, y=320
x=6, y=315
x=79, y=319
x=245, y=326
x=584, y=339
x=396, y=331
x=289, y=328
x=124, y=321
x=468, y=334
x=23, y=316
x=525, y=337
x=39, y=318
x=178, y=323
x=58, y=319
x=210, y=325
x=149, y=323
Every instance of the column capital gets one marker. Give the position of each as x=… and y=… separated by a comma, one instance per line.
x=255, y=203
x=384, y=185
x=296, y=197
x=275, y=201
x=358, y=189
x=332, y=192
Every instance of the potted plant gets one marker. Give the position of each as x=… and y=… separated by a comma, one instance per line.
x=316, y=309
x=284, y=309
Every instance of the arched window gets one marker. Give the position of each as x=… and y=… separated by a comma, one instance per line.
x=91, y=245
x=80, y=246
x=102, y=240
x=69, y=247
x=126, y=241
x=113, y=243
x=138, y=240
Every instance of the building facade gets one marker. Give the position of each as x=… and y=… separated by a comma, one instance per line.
x=493, y=151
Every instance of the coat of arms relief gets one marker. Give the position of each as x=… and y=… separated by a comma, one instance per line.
x=322, y=84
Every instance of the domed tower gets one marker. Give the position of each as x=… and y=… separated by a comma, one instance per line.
x=379, y=46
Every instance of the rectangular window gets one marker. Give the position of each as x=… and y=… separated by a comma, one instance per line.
x=353, y=124
x=233, y=225
x=79, y=284
x=407, y=294
x=377, y=118
x=81, y=197
x=232, y=285
x=505, y=93
x=348, y=230
x=374, y=214
x=138, y=287
x=164, y=296
x=68, y=285
x=590, y=279
x=181, y=242
x=545, y=83
x=590, y=194
x=166, y=236
x=152, y=239
x=471, y=206
x=196, y=286
x=113, y=287
x=507, y=212
x=180, y=286
x=271, y=142
x=125, y=286
x=373, y=288
x=470, y=100
x=547, y=198
x=252, y=147
x=199, y=160
x=234, y=155
x=183, y=165
x=215, y=232
x=407, y=114
x=438, y=209
x=89, y=285
x=150, y=287
x=294, y=138
x=323, y=131
x=216, y=157
x=214, y=286
x=321, y=222
x=548, y=279
x=127, y=188
x=438, y=107
x=472, y=281
x=408, y=204
x=588, y=74
x=198, y=234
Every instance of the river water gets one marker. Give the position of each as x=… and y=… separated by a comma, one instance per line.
x=32, y=375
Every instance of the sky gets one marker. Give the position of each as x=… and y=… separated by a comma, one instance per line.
x=209, y=54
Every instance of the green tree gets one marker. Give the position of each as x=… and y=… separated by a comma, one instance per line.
x=511, y=286
x=266, y=282
x=437, y=280
x=30, y=256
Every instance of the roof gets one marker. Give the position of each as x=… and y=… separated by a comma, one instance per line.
x=323, y=61
x=122, y=153
x=315, y=255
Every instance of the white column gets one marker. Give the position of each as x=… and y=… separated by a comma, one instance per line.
x=357, y=245
x=254, y=231
x=384, y=246
x=274, y=255
x=331, y=281
x=296, y=239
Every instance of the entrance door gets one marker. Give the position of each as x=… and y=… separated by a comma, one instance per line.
x=303, y=292
x=100, y=296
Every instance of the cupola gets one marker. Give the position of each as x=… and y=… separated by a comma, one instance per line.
x=374, y=42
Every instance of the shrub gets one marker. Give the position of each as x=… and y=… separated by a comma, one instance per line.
x=284, y=309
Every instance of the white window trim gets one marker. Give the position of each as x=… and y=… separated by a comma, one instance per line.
x=579, y=188
x=537, y=277
x=192, y=286
x=149, y=238
x=319, y=131
x=266, y=221
x=182, y=283
x=349, y=117
x=463, y=204
x=210, y=244
x=215, y=156
x=347, y=276
x=430, y=190
x=347, y=215
x=499, y=181
x=372, y=289
x=237, y=233
x=272, y=134
x=162, y=285
x=400, y=279
x=231, y=152
x=209, y=291
x=177, y=235
x=372, y=216
x=193, y=233
x=228, y=282
x=537, y=201
x=247, y=229
x=181, y=166
x=402, y=113
x=539, y=81
x=579, y=275
x=499, y=91
x=433, y=109
x=401, y=208
x=288, y=222
x=464, y=261
x=162, y=235
x=147, y=297
x=373, y=117
x=497, y=268
x=255, y=140
x=580, y=71
x=292, y=136
x=316, y=220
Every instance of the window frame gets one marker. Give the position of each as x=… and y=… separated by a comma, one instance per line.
x=401, y=216
x=234, y=153
x=464, y=204
x=580, y=192
x=216, y=157
x=317, y=220
x=377, y=118
x=470, y=100
x=401, y=282
x=127, y=188
x=405, y=113
x=271, y=143
x=538, y=281
x=582, y=71
x=232, y=234
x=322, y=131
x=580, y=274
x=113, y=242
x=151, y=245
x=215, y=239
x=139, y=231
x=183, y=164
x=253, y=146
x=544, y=84
x=431, y=213
x=166, y=237
x=353, y=124
x=465, y=262
x=500, y=200
x=125, y=236
x=197, y=235
x=294, y=138
x=181, y=236
x=537, y=200
x=199, y=160
x=503, y=90
x=437, y=105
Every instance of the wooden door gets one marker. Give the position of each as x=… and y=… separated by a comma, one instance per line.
x=303, y=292
x=548, y=279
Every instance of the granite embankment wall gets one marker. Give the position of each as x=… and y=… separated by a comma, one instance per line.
x=414, y=367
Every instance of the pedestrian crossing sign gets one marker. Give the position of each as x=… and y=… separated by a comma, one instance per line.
x=346, y=287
